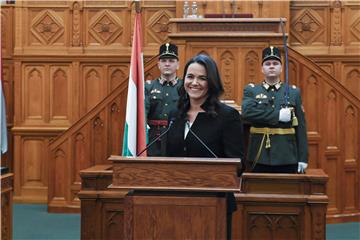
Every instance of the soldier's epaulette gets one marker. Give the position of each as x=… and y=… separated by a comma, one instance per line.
x=251, y=85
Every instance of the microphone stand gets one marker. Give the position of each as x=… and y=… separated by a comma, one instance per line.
x=157, y=138
x=196, y=136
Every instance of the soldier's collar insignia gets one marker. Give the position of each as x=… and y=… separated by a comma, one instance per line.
x=278, y=85
x=172, y=82
x=265, y=85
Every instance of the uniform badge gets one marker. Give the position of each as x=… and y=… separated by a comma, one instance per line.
x=261, y=96
x=155, y=91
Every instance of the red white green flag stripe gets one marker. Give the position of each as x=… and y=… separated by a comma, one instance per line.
x=135, y=125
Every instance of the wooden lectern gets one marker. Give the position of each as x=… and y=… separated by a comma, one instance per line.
x=175, y=198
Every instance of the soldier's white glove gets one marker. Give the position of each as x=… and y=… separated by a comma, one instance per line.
x=285, y=115
x=302, y=167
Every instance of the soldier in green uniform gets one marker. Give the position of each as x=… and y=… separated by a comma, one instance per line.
x=278, y=139
x=161, y=96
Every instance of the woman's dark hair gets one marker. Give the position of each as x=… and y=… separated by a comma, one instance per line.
x=215, y=87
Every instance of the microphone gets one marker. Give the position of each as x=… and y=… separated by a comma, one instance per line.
x=172, y=120
x=196, y=136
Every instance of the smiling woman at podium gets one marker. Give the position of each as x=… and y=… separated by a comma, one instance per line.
x=203, y=126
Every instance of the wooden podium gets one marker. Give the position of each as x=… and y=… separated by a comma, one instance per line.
x=175, y=198
x=162, y=198
x=281, y=206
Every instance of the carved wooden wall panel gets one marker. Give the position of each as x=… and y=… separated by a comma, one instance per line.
x=97, y=81
x=352, y=19
x=106, y=27
x=308, y=27
x=93, y=82
x=111, y=219
x=327, y=27
x=47, y=27
x=44, y=95
x=7, y=31
x=157, y=26
x=346, y=70
x=262, y=225
x=351, y=77
x=30, y=160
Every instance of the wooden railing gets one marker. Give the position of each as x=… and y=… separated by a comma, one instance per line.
x=333, y=124
x=88, y=142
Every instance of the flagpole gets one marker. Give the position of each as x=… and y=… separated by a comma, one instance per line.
x=137, y=6
x=135, y=123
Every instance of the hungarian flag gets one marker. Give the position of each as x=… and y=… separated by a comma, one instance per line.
x=135, y=125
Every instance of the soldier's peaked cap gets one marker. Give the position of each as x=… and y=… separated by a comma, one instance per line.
x=271, y=53
x=168, y=50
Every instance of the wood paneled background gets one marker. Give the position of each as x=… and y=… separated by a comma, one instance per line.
x=61, y=58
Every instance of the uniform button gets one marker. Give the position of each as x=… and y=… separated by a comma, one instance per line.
x=168, y=84
x=166, y=104
x=165, y=114
x=167, y=94
x=154, y=97
x=273, y=97
x=184, y=149
x=260, y=102
x=273, y=106
x=272, y=89
x=164, y=126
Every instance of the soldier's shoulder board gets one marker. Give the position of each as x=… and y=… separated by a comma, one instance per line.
x=251, y=85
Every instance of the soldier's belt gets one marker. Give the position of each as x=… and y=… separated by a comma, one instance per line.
x=157, y=122
x=272, y=131
x=267, y=132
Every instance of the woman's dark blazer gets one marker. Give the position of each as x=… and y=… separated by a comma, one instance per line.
x=223, y=134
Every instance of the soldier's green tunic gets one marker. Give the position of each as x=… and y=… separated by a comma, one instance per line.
x=261, y=105
x=160, y=100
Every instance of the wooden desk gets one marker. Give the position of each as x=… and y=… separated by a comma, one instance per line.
x=6, y=205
